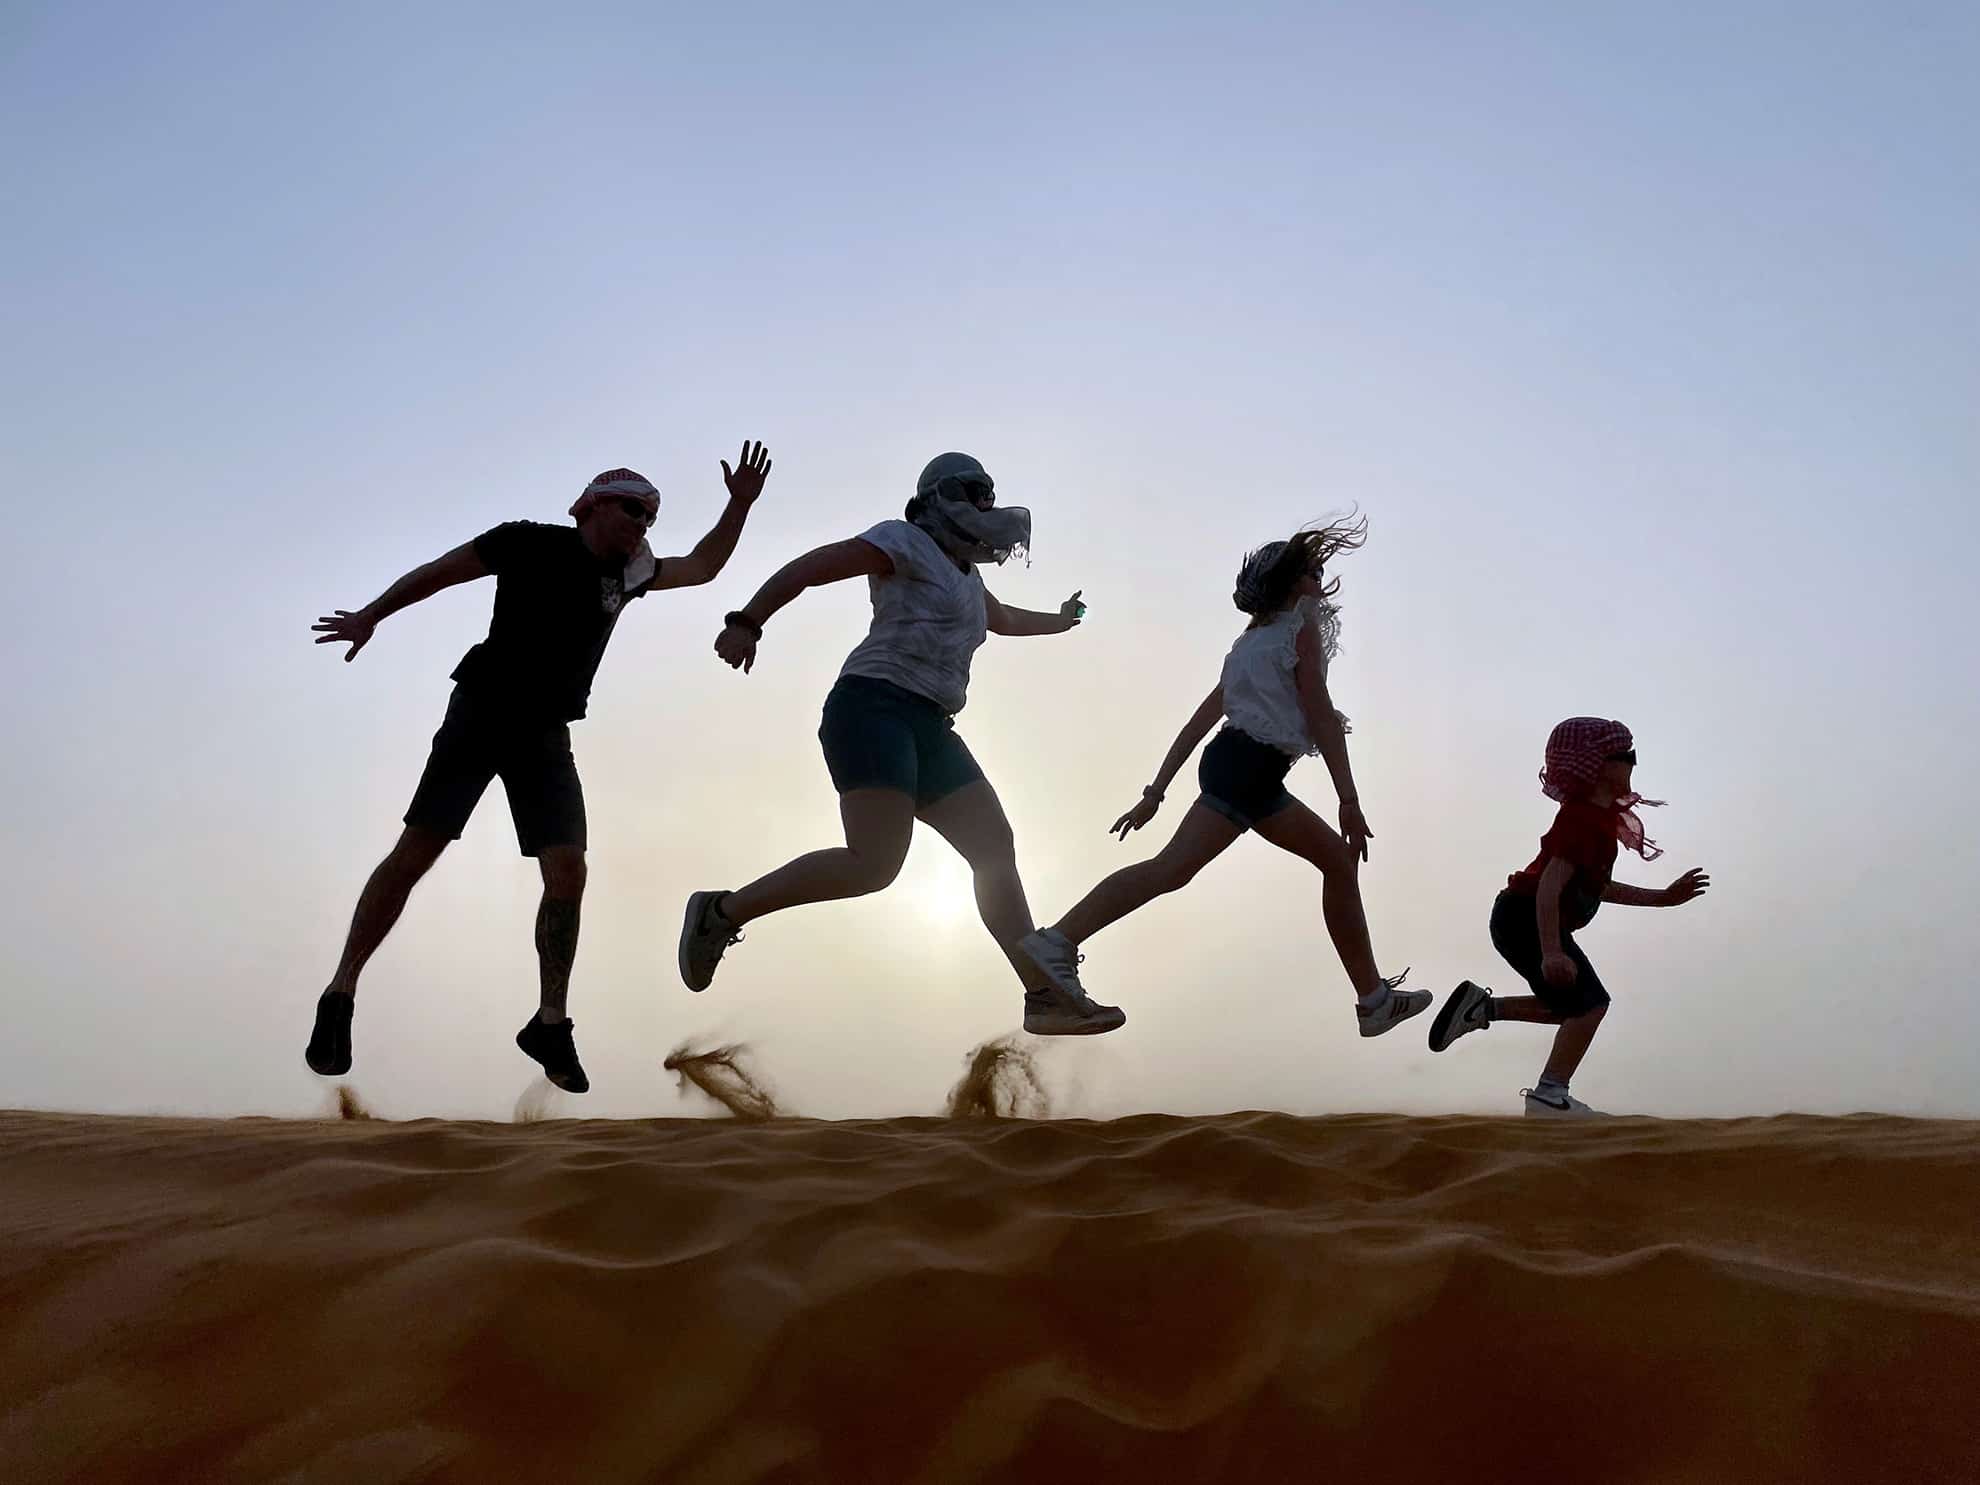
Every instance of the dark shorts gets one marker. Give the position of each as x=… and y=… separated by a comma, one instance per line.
x=1243, y=779
x=1516, y=935
x=877, y=735
x=476, y=743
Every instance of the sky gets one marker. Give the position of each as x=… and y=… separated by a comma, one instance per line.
x=1644, y=336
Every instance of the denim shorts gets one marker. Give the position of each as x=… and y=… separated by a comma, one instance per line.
x=877, y=735
x=1243, y=779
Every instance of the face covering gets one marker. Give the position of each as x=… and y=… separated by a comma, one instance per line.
x=972, y=535
x=614, y=484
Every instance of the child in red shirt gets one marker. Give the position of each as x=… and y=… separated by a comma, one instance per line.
x=1590, y=761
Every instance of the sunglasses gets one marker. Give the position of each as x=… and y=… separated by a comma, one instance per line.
x=979, y=494
x=1627, y=756
x=635, y=510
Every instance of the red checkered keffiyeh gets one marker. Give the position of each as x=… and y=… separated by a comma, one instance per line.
x=612, y=484
x=1576, y=751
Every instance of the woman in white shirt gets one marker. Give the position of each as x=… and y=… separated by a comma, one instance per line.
x=1274, y=693
x=888, y=728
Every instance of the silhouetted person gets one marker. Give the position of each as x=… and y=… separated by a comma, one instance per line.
x=559, y=591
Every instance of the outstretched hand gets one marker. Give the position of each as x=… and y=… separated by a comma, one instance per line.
x=737, y=647
x=745, y=481
x=1692, y=884
x=345, y=627
x=1072, y=610
x=1135, y=818
x=1354, y=828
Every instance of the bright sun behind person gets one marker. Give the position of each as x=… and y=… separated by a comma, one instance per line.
x=938, y=882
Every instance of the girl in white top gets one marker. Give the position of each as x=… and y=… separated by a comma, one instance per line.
x=888, y=728
x=1273, y=692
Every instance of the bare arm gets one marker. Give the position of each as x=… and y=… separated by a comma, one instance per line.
x=1003, y=619
x=711, y=554
x=1554, y=877
x=736, y=644
x=343, y=626
x=1692, y=884
x=1193, y=732
x=1323, y=725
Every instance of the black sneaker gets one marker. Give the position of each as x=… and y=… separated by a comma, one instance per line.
x=329, y=1051
x=553, y=1048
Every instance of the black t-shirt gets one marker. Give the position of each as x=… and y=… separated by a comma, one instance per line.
x=555, y=605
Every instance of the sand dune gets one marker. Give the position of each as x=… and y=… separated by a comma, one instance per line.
x=1254, y=1297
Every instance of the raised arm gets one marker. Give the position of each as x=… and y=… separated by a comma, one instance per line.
x=1003, y=619
x=736, y=644
x=1323, y=725
x=711, y=554
x=342, y=626
x=1193, y=732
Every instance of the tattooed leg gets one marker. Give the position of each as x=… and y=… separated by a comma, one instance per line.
x=557, y=926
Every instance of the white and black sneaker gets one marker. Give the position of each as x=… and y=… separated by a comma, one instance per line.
x=705, y=934
x=1466, y=1009
x=1392, y=1009
x=1557, y=1103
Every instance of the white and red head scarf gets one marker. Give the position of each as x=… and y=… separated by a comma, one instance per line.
x=1576, y=751
x=611, y=485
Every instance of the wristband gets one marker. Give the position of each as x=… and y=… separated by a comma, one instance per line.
x=1149, y=791
x=741, y=620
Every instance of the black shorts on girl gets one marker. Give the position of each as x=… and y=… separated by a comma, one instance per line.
x=1516, y=935
x=1243, y=779
x=877, y=735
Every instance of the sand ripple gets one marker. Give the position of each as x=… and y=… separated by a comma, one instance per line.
x=1254, y=1297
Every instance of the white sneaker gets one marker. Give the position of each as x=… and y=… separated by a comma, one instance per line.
x=1558, y=1106
x=1391, y=1010
x=1466, y=1009
x=1050, y=1011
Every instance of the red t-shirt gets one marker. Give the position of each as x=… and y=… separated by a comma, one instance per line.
x=1584, y=836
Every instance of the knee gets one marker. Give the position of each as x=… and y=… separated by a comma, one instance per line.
x=875, y=870
x=564, y=873
x=413, y=855
x=1171, y=873
x=996, y=855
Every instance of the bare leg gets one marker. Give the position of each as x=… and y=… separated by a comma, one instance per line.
x=383, y=899
x=1570, y=1041
x=1571, y=1044
x=972, y=820
x=879, y=824
x=1202, y=835
x=557, y=926
x=1298, y=830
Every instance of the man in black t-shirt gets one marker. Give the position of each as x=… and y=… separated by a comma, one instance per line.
x=559, y=591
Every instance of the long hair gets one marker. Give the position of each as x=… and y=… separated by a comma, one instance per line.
x=1264, y=593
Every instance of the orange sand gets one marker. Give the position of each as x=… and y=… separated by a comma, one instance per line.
x=1250, y=1298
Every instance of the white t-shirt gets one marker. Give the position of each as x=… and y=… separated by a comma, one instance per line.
x=928, y=618
x=1261, y=691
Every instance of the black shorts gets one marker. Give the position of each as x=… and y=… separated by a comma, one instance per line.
x=1516, y=935
x=877, y=735
x=1243, y=779
x=477, y=742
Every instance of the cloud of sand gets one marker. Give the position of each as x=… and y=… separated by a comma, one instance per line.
x=349, y=1106
x=1000, y=1081
x=719, y=1073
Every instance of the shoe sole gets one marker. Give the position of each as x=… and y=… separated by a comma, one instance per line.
x=1440, y=1029
x=551, y=1077
x=1388, y=1026
x=1091, y=1026
x=696, y=902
